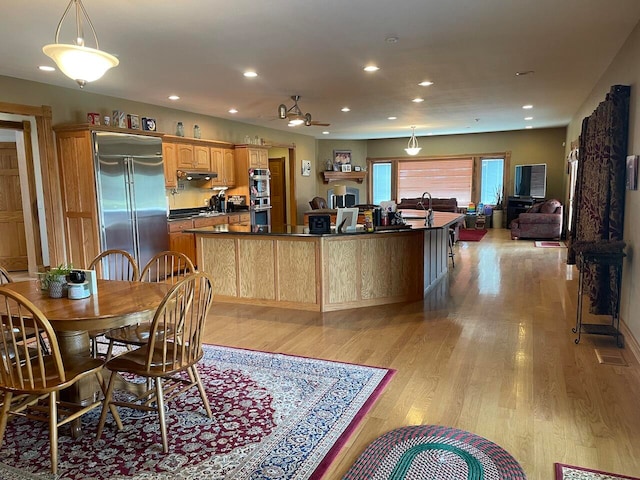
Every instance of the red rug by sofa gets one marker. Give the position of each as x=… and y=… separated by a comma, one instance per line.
x=471, y=235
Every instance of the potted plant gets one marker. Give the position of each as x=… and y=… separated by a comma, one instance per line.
x=56, y=280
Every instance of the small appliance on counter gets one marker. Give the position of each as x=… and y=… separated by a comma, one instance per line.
x=217, y=202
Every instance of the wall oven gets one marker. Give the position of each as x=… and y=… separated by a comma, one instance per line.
x=260, y=196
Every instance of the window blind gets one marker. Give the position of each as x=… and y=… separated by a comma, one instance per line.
x=442, y=178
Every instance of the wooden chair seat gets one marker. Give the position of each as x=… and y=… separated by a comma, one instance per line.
x=181, y=316
x=33, y=374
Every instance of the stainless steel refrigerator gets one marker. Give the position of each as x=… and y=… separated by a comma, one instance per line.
x=132, y=206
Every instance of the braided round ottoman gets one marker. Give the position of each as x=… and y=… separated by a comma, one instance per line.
x=434, y=452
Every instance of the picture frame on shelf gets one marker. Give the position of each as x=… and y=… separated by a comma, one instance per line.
x=345, y=167
x=341, y=157
x=357, y=168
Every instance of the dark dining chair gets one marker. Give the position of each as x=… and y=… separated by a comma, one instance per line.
x=318, y=203
x=112, y=264
x=165, y=267
x=181, y=316
x=29, y=374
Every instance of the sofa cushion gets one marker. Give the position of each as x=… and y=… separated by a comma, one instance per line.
x=541, y=218
x=550, y=206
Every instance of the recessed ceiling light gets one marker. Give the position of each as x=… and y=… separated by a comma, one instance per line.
x=418, y=100
x=392, y=118
x=392, y=39
x=345, y=109
x=528, y=126
x=233, y=110
x=528, y=118
x=46, y=68
x=426, y=83
x=325, y=132
x=527, y=107
x=174, y=97
x=250, y=74
x=371, y=68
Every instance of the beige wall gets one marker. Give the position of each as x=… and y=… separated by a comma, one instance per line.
x=71, y=105
x=624, y=70
x=544, y=145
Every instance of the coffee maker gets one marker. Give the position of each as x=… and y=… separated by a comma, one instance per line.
x=216, y=203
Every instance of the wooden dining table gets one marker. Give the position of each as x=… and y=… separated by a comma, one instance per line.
x=116, y=304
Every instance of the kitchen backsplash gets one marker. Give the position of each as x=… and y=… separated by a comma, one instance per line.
x=190, y=197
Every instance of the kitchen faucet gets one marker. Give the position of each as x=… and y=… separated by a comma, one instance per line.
x=428, y=219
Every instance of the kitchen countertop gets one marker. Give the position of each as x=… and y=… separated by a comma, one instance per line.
x=414, y=223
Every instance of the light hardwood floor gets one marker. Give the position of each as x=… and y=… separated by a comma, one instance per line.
x=490, y=351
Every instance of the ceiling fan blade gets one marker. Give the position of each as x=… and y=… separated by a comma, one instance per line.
x=319, y=124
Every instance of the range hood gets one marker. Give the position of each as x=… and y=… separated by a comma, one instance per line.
x=194, y=176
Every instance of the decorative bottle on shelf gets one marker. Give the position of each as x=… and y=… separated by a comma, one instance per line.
x=180, y=130
x=196, y=131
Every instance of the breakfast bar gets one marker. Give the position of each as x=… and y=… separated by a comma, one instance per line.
x=291, y=268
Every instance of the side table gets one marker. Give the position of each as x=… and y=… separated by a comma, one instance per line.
x=610, y=260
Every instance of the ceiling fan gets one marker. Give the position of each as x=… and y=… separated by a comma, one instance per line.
x=295, y=115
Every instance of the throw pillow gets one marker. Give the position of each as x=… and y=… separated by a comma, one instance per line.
x=550, y=206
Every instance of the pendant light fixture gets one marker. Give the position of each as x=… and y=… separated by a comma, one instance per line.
x=82, y=64
x=413, y=148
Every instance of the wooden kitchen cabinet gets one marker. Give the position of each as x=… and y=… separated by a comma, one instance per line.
x=182, y=242
x=229, y=167
x=239, y=218
x=223, y=163
x=185, y=159
x=258, y=157
x=210, y=221
x=169, y=155
x=202, y=158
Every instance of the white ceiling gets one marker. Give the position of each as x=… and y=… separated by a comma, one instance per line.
x=470, y=49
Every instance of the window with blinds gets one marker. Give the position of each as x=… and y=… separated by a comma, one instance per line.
x=442, y=178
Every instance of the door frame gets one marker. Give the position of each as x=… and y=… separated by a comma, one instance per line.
x=290, y=193
x=48, y=171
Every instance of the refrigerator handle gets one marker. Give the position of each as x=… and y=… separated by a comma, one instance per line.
x=131, y=196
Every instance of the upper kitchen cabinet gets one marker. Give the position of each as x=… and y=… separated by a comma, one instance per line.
x=223, y=163
x=185, y=160
x=170, y=156
x=258, y=157
x=202, y=158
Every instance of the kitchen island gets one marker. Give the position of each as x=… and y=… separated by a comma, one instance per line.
x=291, y=268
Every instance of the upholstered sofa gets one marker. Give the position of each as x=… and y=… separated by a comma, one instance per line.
x=438, y=205
x=542, y=220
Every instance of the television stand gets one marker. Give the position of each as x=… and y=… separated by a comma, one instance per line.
x=518, y=205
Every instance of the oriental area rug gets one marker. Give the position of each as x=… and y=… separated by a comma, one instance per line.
x=569, y=472
x=471, y=234
x=274, y=417
x=434, y=452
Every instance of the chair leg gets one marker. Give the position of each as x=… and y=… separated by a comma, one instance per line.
x=203, y=394
x=112, y=408
x=163, y=420
x=53, y=431
x=106, y=405
x=451, y=252
x=109, y=351
x=4, y=414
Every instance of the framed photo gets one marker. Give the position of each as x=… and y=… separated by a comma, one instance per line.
x=356, y=168
x=341, y=157
x=306, y=168
x=345, y=167
x=632, y=172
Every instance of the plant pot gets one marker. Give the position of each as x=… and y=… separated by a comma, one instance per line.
x=496, y=221
x=58, y=286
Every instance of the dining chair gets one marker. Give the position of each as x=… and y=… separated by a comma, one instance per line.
x=166, y=267
x=29, y=378
x=5, y=278
x=181, y=315
x=112, y=264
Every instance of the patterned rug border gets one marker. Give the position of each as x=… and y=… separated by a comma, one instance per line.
x=333, y=444
x=366, y=407
x=614, y=476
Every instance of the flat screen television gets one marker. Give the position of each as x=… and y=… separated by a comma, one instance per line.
x=531, y=180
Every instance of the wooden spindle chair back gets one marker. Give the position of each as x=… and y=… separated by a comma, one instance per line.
x=115, y=264
x=167, y=267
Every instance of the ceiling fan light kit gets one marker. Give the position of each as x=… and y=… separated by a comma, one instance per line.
x=76, y=61
x=295, y=115
x=412, y=147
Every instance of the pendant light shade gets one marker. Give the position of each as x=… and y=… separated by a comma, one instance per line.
x=413, y=148
x=82, y=64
